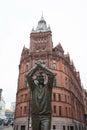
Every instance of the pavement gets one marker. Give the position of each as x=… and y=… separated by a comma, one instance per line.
x=9, y=128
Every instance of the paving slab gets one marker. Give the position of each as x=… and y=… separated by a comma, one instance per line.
x=9, y=128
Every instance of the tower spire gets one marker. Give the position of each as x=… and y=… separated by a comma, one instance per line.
x=42, y=14
x=42, y=18
x=42, y=26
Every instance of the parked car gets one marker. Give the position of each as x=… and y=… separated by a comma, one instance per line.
x=5, y=122
x=1, y=121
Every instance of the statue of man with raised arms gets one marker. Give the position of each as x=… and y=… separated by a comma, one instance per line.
x=40, y=80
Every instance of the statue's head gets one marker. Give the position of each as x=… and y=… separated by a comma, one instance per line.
x=40, y=78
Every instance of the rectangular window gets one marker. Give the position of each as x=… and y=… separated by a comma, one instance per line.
x=25, y=81
x=21, y=111
x=60, y=113
x=65, y=98
x=54, y=109
x=68, y=99
x=55, y=82
x=25, y=109
x=26, y=97
x=66, y=111
x=54, y=96
x=59, y=97
x=69, y=111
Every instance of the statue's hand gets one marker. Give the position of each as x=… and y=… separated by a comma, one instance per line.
x=38, y=62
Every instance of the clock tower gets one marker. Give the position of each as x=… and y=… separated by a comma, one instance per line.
x=41, y=38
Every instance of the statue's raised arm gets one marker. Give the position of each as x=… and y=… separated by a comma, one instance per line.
x=44, y=68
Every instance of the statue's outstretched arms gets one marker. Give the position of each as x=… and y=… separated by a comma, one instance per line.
x=44, y=68
x=48, y=72
x=32, y=71
x=38, y=65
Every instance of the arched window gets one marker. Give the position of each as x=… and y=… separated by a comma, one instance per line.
x=26, y=68
x=54, y=64
x=25, y=81
x=55, y=82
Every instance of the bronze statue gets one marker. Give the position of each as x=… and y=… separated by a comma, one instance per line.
x=40, y=80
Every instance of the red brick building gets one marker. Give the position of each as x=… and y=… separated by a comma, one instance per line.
x=67, y=96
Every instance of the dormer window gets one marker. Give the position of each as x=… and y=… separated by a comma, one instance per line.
x=59, y=53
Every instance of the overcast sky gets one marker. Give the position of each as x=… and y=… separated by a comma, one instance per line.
x=68, y=22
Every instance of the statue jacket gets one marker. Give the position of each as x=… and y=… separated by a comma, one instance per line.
x=41, y=97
